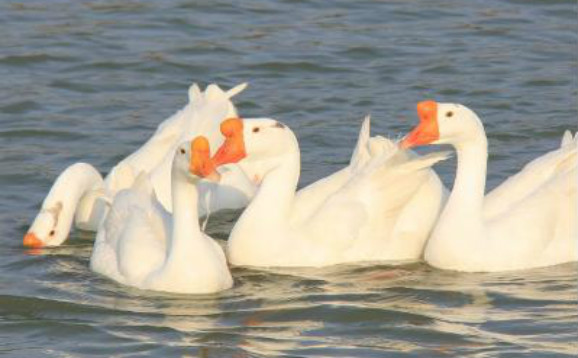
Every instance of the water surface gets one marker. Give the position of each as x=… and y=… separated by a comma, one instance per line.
x=90, y=81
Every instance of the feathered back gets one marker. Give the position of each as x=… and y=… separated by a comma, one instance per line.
x=201, y=116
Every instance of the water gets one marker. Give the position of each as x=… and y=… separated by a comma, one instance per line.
x=90, y=80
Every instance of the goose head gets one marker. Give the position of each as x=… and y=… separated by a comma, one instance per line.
x=443, y=123
x=193, y=162
x=255, y=144
x=47, y=229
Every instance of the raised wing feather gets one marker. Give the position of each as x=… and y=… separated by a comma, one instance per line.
x=310, y=198
x=361, y=154
x=531, y=178
x=371, y=200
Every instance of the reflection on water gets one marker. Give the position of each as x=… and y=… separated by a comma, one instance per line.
x=89, y=81
x=369, y=310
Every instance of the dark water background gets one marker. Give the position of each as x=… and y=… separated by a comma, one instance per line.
x=90, y=80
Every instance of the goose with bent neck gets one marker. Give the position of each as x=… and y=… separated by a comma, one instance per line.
x=352, y=216
x=75, y=196
x=536, y=225
x=202, y=115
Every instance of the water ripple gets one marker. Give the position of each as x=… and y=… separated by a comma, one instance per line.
x=89, y=81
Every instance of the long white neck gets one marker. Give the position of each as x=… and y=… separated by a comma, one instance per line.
x=467, y=197
x=186, y=239
x=460, y=233
x=268, y=214
x=65, y=195
x=274, y=199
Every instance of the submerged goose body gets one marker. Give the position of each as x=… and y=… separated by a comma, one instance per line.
x=529, y=221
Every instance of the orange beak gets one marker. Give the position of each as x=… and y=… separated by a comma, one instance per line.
x=201, y=164
x=233, y=149
x=427, y=131
x=32, y=241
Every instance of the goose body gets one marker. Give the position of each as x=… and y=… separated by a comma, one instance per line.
x=140, y=244
x=357, y=214
x=528, y=221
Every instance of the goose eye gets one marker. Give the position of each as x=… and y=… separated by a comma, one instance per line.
x=256, y=129
x=52, y=232
x=449, y=114
x=182, y=151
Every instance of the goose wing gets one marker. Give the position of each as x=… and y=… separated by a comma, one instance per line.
x=531, y=178
x=369, y=203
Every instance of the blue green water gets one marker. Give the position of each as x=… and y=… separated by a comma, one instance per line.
x=90, y=80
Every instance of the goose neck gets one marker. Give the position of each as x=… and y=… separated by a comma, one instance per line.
x=67, y=192
x=469, y=186
x=277, y=190
x=186, y=232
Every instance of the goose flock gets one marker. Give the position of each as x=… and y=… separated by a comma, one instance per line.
x=387, y=204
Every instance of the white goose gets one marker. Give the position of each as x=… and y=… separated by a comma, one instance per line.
x=360, y=219
x=140, y=245
x=79, y=195
x=529, y=221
